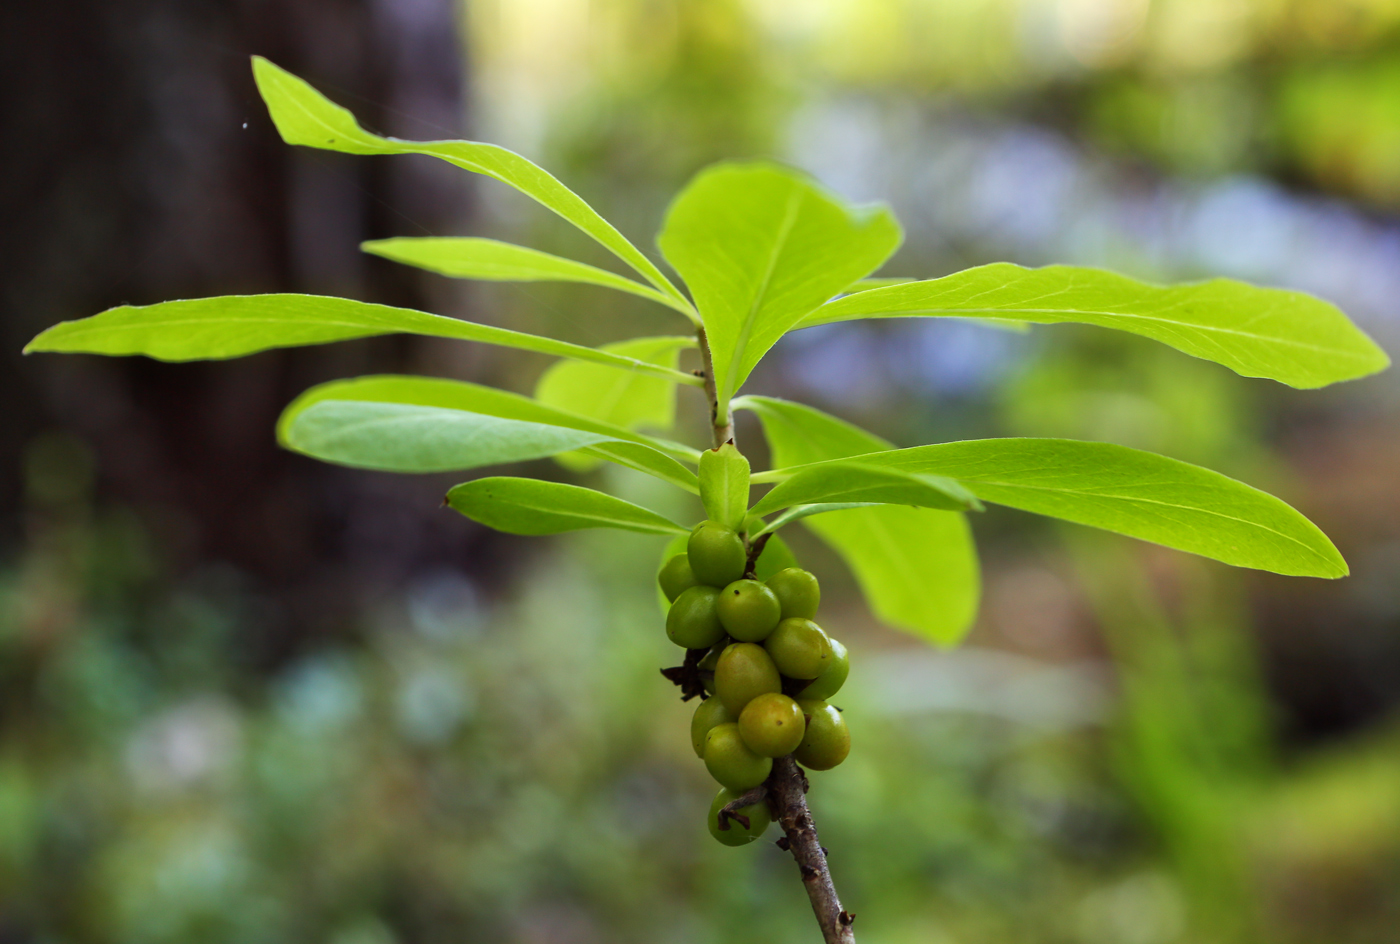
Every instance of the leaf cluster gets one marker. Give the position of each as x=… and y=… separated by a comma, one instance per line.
x=762, y=250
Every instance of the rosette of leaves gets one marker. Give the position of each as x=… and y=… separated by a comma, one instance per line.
x=762, y=250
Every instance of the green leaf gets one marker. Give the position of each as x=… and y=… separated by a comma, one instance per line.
x=531, y=506
x=865, y=285
x=1130, y=492
x=491, y=260
x=798, y=512
x=235, y=325
x=616, y=444
x=628, y=400
x=1290, y=337
x=305, y=116
x=724, y=485
x=844, y=482
x=917, y=567
x=760, y=246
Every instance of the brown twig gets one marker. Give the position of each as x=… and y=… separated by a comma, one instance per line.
x=731, y=809
x=755, y=549
x=787, y=786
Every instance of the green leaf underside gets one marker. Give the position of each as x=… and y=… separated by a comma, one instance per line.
x=844, y=482
x=304, y=116
x=400, y=437
x=614, y=443
x=798, y=512
x=1286, y=336
x=532, y=506
x=495, y=261
x=234, y=325
x=1131, y=492
x=760, y=246
x=917, y=567
x=628, y=400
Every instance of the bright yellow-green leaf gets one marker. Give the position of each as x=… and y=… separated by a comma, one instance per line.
x=760, y=246
x=532, y=506
x=495, y=261
x=305, y=116
x=916, y=566
x=1130, y=492
x=1290, y=337
x=616, y=444
x=235, y=325
x=846, y=482
x=631, y=400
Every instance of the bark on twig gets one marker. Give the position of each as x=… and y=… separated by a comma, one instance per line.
x=787, y=787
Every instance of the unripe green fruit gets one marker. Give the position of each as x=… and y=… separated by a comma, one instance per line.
x=729, y=760
x=744, y=672
x=800, y=648
x=676, y=577
x=693, y=620
x=716, y=553
x=798, y=592
x=772, y=725
x=832, y=677
x=749, y=610
x=827, y=741
x=736, y=834
x=708, y=713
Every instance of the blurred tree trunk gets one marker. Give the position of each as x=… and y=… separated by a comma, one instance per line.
x=140, y=165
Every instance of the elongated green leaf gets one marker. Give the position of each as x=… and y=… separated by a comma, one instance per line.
x=402, y=437
x=495, y=261
x=532, y=506
x=916, y=566
x=855, y=482
x=1131, y=492
x=798, y=512
x=615, y=443
x=305, y=116
x=235, y=325
x=629, y=400
x=760, y=246
x=865, y=285
x=1258, y=332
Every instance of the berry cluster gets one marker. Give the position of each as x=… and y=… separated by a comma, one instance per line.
x=768, y=666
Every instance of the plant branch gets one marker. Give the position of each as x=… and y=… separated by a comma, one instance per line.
x=722, y=432
x=787, y=788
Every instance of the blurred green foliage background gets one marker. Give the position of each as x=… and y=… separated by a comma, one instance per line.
x=244, y=698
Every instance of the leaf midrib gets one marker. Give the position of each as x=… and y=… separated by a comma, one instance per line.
x=741, y=341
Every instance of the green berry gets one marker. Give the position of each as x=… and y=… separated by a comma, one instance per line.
x=800, y=648
x=749, y=610
x=744, y=672
x=798, y=592
x=716, y=553
x=827, y=741
x=729, y=760
x=832, y=677
x=708, y=713
x=735, y=834
x=693, y=620
x=772, y=725
x=676, y=577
